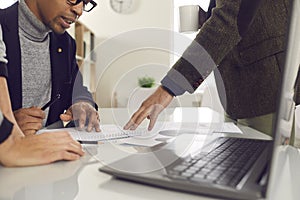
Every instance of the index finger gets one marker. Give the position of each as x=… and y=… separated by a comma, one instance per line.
x=81, y=117
x=94, y=122
x=132, y=119
x=35, y=112
x=137, y=119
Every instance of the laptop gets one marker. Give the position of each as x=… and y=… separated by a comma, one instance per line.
x=228, y=167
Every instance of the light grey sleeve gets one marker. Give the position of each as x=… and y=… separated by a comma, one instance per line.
x=2, y=59
x=2, y=48
x=1, y=117
x=176, y=89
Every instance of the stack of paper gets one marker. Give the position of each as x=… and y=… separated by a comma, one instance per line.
x=143, y=137
x=109, y=132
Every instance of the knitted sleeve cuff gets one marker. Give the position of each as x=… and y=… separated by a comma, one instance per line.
x=5, y=129
x=3, y=69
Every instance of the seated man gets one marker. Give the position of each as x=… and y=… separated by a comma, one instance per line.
x=42, y=64
x=18, y=150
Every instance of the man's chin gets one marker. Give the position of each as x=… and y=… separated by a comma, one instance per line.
x=57, y=29
x=59, y=32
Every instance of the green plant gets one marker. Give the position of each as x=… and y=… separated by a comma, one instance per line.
x=146, y=82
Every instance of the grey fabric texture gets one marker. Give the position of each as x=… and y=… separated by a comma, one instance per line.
x=1, y=118
x=247, y=68
x=2, y=48
x=35, y=54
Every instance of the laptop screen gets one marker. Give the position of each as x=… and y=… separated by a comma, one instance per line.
x=285, y=118
x=283, y=128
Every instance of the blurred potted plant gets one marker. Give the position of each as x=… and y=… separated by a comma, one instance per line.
x=146, y=86
x=146, y=82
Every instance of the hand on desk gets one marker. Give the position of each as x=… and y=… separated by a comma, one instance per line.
x=150, y=109
x=30, y=120
x=83, y=112
x=39, y=149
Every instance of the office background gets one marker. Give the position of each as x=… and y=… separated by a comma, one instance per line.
x=116, y=81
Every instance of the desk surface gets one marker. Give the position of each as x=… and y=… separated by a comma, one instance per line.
x=81, y=179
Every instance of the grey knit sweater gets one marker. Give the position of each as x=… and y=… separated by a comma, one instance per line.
x=36, y=66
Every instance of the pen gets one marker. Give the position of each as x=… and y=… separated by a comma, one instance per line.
x=87, y=142
x=51, y=102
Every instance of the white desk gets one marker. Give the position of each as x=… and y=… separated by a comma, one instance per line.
x=81, y=179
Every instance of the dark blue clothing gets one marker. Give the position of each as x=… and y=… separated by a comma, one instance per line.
x=5, y=129
x=65, y=75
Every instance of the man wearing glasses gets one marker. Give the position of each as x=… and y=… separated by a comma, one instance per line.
x=42, y=64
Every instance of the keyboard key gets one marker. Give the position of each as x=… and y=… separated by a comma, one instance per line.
x=179, y=168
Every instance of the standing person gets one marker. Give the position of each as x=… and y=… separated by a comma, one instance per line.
x=42, y=64
x=243, y=42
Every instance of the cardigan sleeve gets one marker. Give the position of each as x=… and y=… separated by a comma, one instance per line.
x=3, y=61
x=1, y=117
x=80, y=92
x=229, y=20
x=2, y=48
x=5, y=128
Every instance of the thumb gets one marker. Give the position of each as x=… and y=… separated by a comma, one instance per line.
x=66, y=117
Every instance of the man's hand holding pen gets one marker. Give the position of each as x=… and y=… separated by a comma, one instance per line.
x=30, y=120
x=83, y=112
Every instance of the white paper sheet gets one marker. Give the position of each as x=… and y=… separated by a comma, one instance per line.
x=143, y=137
x=109, y=132
x=198, y=128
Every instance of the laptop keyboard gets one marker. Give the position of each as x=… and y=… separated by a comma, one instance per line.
x=224, y=165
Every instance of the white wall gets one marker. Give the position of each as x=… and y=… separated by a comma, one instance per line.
x=137, y=44
x=148, y=13
x=123, y=50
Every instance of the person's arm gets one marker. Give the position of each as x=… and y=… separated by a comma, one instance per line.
x=83, y=109
x=229, y=21
x=5, y=128
x=216, y=38
x=218, y=35
x=5, y=104
x=3, y=60
x=39, y=149
x=18, y=150
x=1, y=118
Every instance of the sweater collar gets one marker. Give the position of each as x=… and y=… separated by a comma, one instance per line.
x=30, y=25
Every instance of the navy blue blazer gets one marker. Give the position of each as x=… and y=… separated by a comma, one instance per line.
x=65, y=74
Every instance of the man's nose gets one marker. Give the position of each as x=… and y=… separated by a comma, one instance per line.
x=78, y=9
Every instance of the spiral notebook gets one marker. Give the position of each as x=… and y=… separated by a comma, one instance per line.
x=108, y=132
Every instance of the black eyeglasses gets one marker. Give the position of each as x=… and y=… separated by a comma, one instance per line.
x=88, y=5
